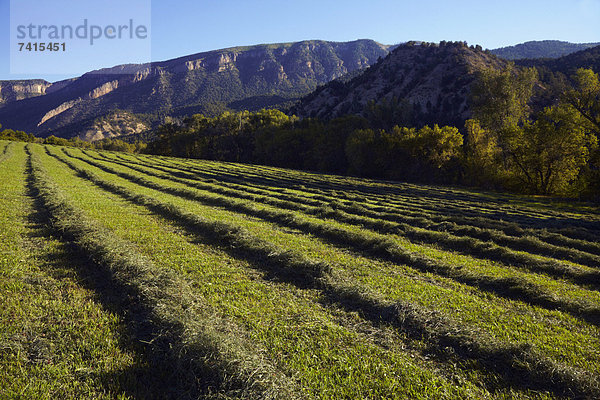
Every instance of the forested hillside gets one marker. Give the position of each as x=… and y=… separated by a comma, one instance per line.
x=541, y=49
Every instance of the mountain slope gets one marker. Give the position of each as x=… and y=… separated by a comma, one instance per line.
x=589, y=58
x=541, y=49
x=23, y=89
x=435, y=79
x=241, y=77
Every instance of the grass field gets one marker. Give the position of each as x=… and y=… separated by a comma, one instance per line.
x=132, y=276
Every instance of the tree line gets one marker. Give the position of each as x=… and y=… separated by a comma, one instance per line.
x=511, y=143
x=524, y=136
x=104, y=144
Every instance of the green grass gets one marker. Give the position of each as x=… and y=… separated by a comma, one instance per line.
x=509, y=328
x=56, y=339
x=294, y=330
x=6, y=149
x=533, y=288
x=530, y=240
x=151, y=277
x=469, y=244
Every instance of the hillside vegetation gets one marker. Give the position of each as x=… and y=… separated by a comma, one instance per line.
x=134, y=276
x=125, y=99
x=433, y=80
x=541, y=49
x=567, y=65
x=510, y=144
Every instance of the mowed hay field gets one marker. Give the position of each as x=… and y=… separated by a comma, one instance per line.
x=133, y=276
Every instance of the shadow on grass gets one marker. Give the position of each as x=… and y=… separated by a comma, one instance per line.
x=509, y=287
x=155, y=374
x=515, y=366
x=578, y=229
x=501, y=368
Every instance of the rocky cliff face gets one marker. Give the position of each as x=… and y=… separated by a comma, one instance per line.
x=238, y=78
x=18, y=90
x=435, y=79
x=112, y=125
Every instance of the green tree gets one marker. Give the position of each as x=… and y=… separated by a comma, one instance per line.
x=432, y=146
x=327, y=151
x=404, y=153
x=9, y=134
x=56, y=141
x=482, y=156
x=585, y=98
x=546, y=156
x=268, y=118
x=388, y=113
x=362, y=152
x=499, y=98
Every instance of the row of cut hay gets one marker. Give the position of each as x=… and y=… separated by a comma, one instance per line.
x=7, y=151
x=458, y=199
x=541, y=242
x=166, y=313
x=309, y=339
x=288, y=265
x=466, y=245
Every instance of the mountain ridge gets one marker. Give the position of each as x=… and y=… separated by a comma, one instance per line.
x=434, y=80
x=568, y=64
x=128, y=98
x=203, y=82
x=541, y=49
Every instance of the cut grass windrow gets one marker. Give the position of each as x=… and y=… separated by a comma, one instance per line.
x=407, y=193
x=417, y=209
x=518, y=362
x=538, y=242
x=470, y=205
x=458, y=196
x=440, y=234
x=379, y=246
x=181, y=329
x=443, y=233
x=7, y=151
x=418, y=202
x=531, y=244
x=331, y=353
x=57, y=340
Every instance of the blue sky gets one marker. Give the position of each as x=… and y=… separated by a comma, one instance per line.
x=181, y=27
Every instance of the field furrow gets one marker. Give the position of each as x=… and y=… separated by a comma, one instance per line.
x=57, y=338
x=292, y=220
x=421, y=196
x=6, y=150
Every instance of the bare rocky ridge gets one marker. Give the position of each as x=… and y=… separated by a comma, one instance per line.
x=18, y=90
x=113, y=125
